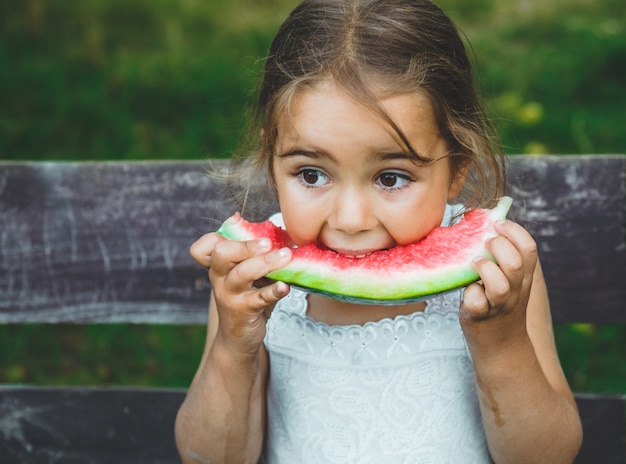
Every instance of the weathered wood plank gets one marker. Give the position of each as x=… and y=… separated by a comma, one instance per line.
x=122, y=425
x=88, y=426
x=105, y=242
x=108, y=242
x=575, y=207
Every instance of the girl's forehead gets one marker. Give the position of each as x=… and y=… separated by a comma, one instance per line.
x=374, y=88
x=327, y=116
x=327, y=99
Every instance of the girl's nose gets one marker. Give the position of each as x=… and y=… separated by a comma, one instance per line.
x=353, y=212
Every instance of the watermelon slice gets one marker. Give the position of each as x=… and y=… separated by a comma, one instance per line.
x=438, y=263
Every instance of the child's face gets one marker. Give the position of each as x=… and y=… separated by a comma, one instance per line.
x=345, y=182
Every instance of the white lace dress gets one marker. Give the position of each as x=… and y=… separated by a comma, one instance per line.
x=394, y=391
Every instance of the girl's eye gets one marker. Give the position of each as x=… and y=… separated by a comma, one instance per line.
x=312, y=177
x=393, y=180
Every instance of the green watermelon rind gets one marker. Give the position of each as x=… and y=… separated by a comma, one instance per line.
x=377, y=286
x=401, y=287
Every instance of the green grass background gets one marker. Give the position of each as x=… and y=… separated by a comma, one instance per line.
x=171, y=79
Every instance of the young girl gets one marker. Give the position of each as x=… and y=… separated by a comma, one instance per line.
x=370, y=130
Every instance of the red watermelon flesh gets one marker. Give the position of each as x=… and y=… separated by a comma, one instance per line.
x=438, y=263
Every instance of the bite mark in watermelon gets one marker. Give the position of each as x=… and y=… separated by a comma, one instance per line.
x=438, y=263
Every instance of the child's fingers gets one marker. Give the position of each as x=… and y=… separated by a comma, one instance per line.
x=497, y=286
x=202, y=249
x=226, y=254
x=269, y=295
x=475, y=304
x=523, y=243
x=238, y=265
x=244, y=274
x=505, y=283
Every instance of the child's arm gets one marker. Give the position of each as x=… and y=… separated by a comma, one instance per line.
x=222, y=419
x=528, y=409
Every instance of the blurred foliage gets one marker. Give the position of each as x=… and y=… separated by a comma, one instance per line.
x=554, y=72
x=593, y=356
x=168, y=356
x=116, y=354
x=171, y=79
x=140, y=79
x=115, y=79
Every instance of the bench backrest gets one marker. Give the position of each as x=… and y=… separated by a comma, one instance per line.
x=89, y=242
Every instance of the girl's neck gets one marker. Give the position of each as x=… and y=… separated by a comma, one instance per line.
x=334, y=312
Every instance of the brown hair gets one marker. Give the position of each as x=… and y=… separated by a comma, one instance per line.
x=377, y=48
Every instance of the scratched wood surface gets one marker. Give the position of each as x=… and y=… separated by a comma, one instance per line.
x=136, y=426
x=105, y=242
x=575, y=207
x=108, y=242
x=88, y=425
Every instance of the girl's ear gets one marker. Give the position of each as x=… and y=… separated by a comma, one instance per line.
x=457, y=182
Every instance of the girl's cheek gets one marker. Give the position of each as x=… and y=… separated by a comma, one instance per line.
x=303, y=230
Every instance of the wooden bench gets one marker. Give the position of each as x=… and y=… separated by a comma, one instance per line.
x=108, y=242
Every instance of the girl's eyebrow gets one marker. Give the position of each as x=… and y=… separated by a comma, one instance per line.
x=317, y=154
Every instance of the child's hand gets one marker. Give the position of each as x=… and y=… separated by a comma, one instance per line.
x=495, y=308
x=234, y=268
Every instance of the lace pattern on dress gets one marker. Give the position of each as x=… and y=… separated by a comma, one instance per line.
x=381, y=342
x=397, y=390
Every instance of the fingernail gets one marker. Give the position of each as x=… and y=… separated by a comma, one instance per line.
x=284, y=252
x=282, y=289
x=264, y=243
